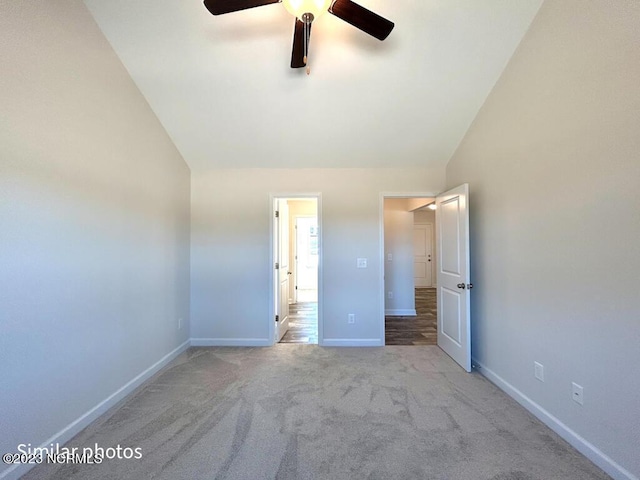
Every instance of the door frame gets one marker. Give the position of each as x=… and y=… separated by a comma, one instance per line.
x=382, y=256
x=273, y=197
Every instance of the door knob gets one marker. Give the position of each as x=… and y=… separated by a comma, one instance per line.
x=469, y=286
x=461, y=285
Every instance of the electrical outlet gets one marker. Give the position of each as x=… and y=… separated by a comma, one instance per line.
x=179, y=324
x=538, y=369
x=577, y=393
x=390, y=257
x=351, y=318
x=390, y=295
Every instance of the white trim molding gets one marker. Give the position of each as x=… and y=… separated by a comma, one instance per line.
x=231, y=342
x=75, y=427
x=586, y=448
x=353, y=342
x=401, y=312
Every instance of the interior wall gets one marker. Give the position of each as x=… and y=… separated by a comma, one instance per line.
x=553, y=163
x=94, y=225
x=231, y=270
x=424, y=216
x=398, y=272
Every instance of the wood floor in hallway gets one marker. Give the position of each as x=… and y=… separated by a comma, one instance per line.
x=418, y=330
x=303, y=323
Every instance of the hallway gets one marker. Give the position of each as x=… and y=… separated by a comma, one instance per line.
x=418, y=330
x=303, y=323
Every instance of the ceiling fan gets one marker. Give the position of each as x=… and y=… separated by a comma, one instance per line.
x=306, y=11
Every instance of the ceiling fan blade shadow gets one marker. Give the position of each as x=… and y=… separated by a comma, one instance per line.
x=298, y=53
x=363, y=19
x=220, y=7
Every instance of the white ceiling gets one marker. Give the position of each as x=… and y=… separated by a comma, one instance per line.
x=223, y=89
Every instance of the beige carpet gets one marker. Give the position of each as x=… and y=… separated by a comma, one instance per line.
x=306, y=412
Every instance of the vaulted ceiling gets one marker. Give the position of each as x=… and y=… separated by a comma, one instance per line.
x=223, y=89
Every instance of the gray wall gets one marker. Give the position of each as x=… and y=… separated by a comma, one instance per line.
x=553, y=163
x=94, y=224
x=398, y=273
x=230, y=255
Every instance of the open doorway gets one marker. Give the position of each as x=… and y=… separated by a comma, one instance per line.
x=297, y=252
x=410, y=297
x=451, y=255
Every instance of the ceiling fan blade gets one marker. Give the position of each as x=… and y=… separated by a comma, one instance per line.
x=219, y=7
x=298, y=52
x=361, y=18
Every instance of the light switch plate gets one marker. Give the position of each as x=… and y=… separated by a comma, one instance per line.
x=362, y=263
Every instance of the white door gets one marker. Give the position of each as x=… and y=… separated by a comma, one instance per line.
x=282, y=271
x=422, y=271
x=452, y=233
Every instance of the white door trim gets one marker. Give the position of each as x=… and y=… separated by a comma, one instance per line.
x=381, y=296
x=272, y=310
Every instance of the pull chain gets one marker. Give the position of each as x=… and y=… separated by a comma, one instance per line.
x=307, y=19
x=306, y=46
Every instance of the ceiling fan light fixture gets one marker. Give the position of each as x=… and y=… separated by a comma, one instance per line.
x=305, y=12
x=298, y=8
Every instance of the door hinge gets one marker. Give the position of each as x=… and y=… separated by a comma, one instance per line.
x=277, y=265
x=277, y=214
x=296, y=287
x=277, y=318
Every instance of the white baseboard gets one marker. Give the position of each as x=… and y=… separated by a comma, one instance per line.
x=351, y=342
x=75, y=427
x=400, y=312
x=231, y=342
x=589, y=450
